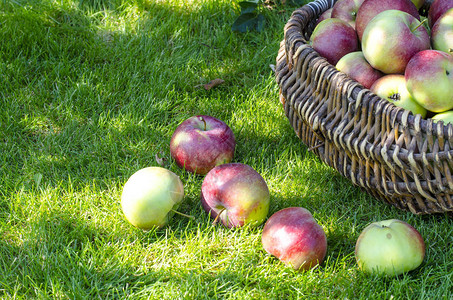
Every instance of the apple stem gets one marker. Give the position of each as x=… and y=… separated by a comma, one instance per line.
x=421, y=23
x=182, y=214
x=204, y=122
x=218, y=215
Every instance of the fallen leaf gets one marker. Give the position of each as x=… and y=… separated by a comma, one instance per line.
x=213, y=83
x=160, y=160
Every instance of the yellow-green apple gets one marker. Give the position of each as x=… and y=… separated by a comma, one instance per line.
x=346, y=10
x=442, y=33
x=437, y=9
x=202, y=142
x=333, y=38
x=357, y=67
x=446, y=117
x=295, y=238
x=370, y=8
x=393, y=88
x=325, y=15
x=151, y=196
x=429, y=79
x=390, y=40
x=236, y=194
x=389, y=247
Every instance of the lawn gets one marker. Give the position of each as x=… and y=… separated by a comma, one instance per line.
x=91, y=91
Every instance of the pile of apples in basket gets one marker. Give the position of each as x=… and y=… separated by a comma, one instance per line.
x=236, y=195
x=393, y=50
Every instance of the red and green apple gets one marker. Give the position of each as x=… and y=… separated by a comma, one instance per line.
x=295, y=238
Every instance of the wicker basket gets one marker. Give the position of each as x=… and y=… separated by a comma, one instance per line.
x=396, y=157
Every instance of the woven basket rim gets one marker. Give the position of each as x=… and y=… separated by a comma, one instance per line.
x=403, y=116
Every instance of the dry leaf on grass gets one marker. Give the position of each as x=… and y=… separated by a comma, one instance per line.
x=213, y=83
x=160, y=160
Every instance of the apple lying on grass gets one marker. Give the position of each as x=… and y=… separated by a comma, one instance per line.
x=429, y=79
x=235, y=194
x=151, y=196
x=390, y=40
x=202, y=142
x=393, y=88
x=333, y=38
x=389, y=247
x=357, y=67
x=295, y=238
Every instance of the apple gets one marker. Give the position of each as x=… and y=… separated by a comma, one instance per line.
x=429, y=79
x=295, y=238
x=370, y=8
x=442, y=33
x=389, y=247
x=346, y=10
x=418, y=3
x=437, y=9
x=325, y=15
x=202, y=142
x=151, y=196
x=390, y=40
x=333, y=38
x=446, y=117
x=236, y=194
x=393, y=88
x=357, y=67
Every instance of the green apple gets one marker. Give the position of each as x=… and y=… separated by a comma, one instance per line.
x=151, y=196
x=393, y=88
x=446, y=117
x=390, y=248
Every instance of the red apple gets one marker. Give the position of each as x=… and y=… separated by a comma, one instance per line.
x=236, y=194
x=442, y=33
x=356, y=66
x=295, y=238
x=438, y=8
x=325, y=15
x=202, y=142
x=393, y=88
x=370, y=8
x=346, y=10
x=333, y=38
x=429, y=79
x=390, y=40
x=389, y=247
x=151, y=196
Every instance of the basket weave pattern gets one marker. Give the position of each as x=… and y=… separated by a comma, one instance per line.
x=396, y=157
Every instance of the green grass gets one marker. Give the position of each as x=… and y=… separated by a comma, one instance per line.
x=91, y=91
